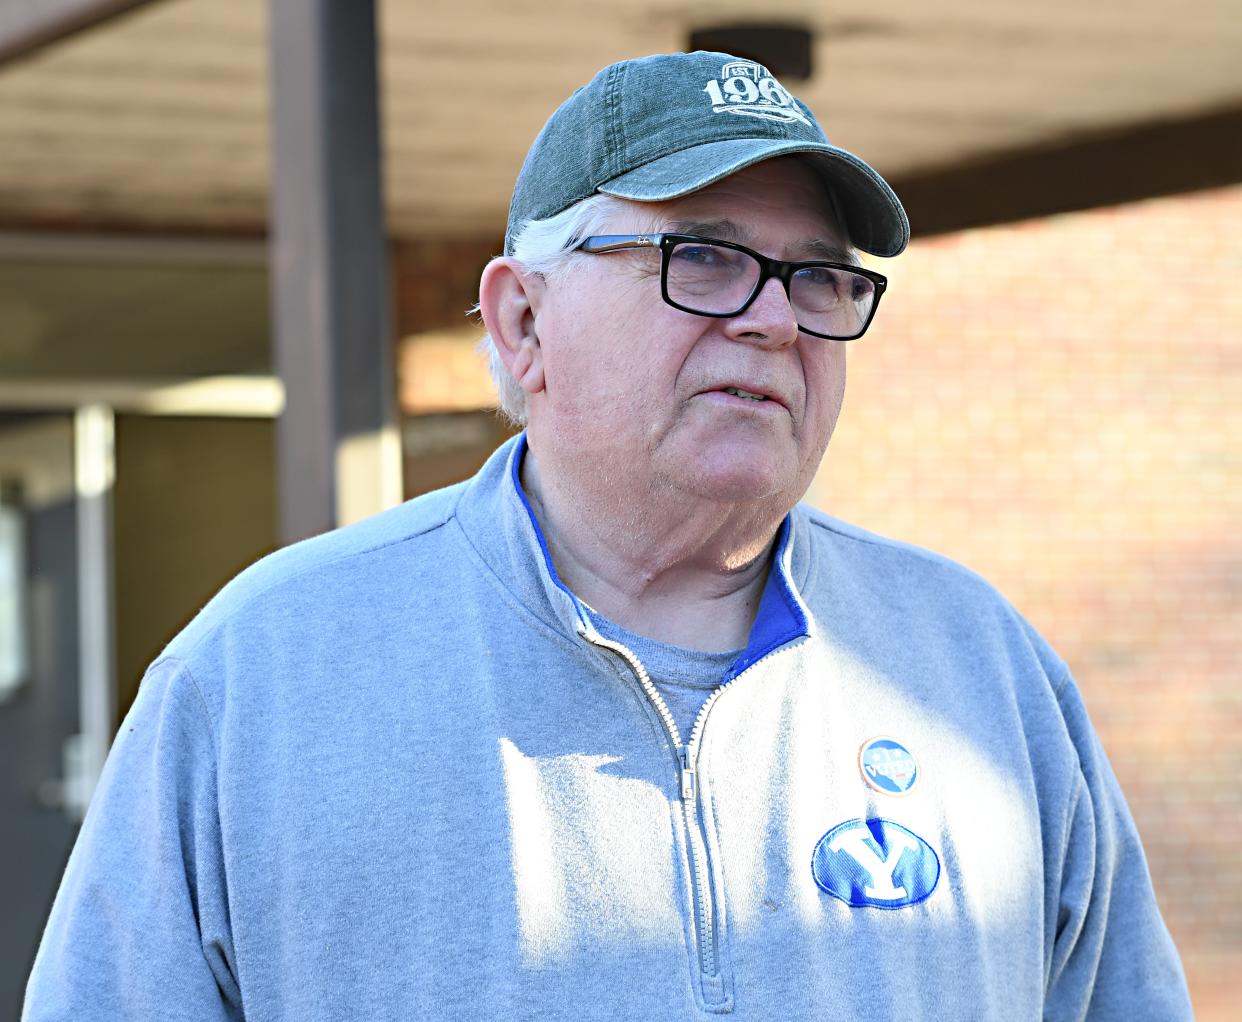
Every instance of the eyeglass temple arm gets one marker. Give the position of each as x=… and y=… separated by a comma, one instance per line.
x=616, y=242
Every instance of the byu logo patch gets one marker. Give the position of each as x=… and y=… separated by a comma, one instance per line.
x=875, y=863
x=888, y=766
x=748, y=89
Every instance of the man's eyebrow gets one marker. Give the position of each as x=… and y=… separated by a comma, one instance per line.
x=721, y=230
x=827, y=250
x=727, y=230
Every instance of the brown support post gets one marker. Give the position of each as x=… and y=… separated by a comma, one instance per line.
x=337, y=449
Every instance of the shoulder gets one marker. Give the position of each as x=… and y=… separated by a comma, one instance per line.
x=915, y=591
x=895, y=560
x=328, y=567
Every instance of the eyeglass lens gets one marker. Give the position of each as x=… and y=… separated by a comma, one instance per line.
x=716, y=280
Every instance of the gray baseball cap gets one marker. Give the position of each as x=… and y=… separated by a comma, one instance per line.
x=664, y=126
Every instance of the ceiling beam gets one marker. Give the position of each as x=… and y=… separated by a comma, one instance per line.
x=245, y=397
x=28, y=25
x=1190, y=154
x=166, y=249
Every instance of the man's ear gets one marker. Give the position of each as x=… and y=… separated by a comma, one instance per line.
x=508, y=300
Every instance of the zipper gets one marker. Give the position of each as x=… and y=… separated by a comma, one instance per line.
x=704, y=905
x=689, y=798
x=687, y=765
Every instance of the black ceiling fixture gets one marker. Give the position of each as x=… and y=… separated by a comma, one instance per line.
x=785, y=50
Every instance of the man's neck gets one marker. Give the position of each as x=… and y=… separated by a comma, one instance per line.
x=671, y=568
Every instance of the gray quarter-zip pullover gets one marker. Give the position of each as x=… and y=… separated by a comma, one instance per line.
x=395, y=773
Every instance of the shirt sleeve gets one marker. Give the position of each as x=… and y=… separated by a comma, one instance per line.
x=140, y=925
x=1111, y=954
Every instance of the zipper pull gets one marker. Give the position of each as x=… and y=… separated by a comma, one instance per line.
x=688, y=785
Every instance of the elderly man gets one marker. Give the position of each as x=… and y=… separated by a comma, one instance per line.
x=617, y=728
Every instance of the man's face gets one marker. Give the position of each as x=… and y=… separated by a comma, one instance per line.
x=635, y=390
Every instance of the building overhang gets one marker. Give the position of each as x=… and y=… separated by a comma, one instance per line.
x=157, y=120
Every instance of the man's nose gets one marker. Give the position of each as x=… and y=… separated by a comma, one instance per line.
x=769, y=320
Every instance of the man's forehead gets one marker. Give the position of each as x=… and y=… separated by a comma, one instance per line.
x=781, y=202
x=809, y=245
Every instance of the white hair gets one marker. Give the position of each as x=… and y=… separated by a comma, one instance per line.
x=545, y=247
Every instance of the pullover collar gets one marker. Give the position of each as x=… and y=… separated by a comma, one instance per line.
x=500, y=524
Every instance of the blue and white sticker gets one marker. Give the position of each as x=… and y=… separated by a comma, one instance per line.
x=875, y=864
x=888, y=766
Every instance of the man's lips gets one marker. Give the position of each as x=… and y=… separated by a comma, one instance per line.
x=751, y=393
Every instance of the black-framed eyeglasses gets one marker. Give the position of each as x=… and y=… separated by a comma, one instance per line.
x=720, y=279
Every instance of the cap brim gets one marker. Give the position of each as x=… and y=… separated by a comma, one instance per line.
x=874, y=217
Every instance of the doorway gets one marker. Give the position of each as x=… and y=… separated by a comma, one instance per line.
x=39, y=679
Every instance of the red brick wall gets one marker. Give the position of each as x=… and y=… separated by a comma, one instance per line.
x=1056, y=404
x=437, y=279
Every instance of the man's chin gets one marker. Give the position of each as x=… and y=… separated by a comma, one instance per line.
x=737, y=477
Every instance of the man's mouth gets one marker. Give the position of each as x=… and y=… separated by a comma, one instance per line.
x=738, y=392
